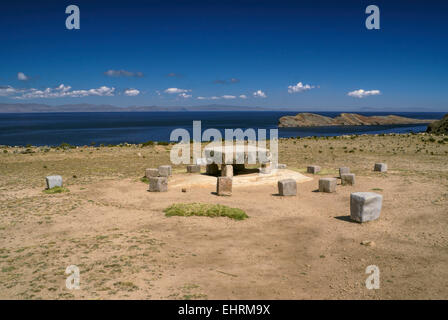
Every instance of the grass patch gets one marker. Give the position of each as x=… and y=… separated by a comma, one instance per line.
x=204, y=210
x=144, y=179
x=56, y=190
x=377, y=189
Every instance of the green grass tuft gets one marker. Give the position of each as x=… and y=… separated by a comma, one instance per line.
x=56, y=190
x=144, y=179
x=204, y=210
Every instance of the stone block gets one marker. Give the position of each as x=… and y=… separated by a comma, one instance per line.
x=212, y=169
x=224, y=186
x=158, y=184
x=281, y=166
x=193, y=168
x=227, y=170
x=53, y=181
x=266, y=168
x=327, y=185
x=343, y=170
x=381, y=167
x=365, y=206
x=165, y=171
x=313, y=169
x=348, y=179
x=151, y=172
x=287, y=187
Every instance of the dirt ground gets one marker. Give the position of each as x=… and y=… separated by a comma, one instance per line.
x=302, y=247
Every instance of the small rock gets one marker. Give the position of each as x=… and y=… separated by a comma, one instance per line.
x=368, y=243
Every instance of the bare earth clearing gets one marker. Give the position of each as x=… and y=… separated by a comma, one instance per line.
x=301, y=247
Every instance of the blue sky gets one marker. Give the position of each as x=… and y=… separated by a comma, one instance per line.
x=227, y=52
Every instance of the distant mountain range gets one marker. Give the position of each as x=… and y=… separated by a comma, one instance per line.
x=306, y=119
x=34, y=107
x=84, y=107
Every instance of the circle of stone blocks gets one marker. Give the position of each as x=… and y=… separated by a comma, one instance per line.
x=53, y=181
x=165, y=171
x=365, y=206
x=327, y=185
x=281, y=166
x=212, y=169
x=224, y=186
x=343, y=170
x=266, y=168
x=313, y=169
x=227, y=170
x=158, y=184
x=381, y=167
x=151, y=172
x=348, y=179
x=287, y=187
x=193, y=168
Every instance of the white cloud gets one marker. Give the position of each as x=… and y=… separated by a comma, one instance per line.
x=243, y=96
x=176, y=90
x=184, y=95
x=131, y=92
x=8, y=91
x=61, y=91
x=362, y=93
x=259, y=94
x=123, y=73
x=226, y=97
x=299, y=87
x=22, y=77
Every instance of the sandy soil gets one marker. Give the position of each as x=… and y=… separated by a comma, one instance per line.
x=302, y=247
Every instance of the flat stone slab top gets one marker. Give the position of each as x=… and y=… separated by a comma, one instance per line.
x=381, y=167
x=348, y=179
x=151, y=172
x=53, y=181
x=287, y=187
x=327, y=185
x=237, y=154
x=343, y=170
x=224, y=186
x=158, y=184
x=365, y=206
x=313, y=169
x=165, y=171
x=242, y=180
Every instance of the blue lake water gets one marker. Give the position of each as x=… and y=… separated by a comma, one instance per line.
x=135, y=127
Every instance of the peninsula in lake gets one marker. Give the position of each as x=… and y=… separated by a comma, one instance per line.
x=345, y=119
